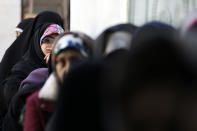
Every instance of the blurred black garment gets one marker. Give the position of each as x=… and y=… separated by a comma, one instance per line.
x=88, y=99
x=78, y=103
x=118, y=42
x=159, y=85
x=154, y=89
x=17, y=49
x=150, y=31
x=33, y=58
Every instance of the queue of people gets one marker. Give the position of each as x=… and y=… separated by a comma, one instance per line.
x=129, y=78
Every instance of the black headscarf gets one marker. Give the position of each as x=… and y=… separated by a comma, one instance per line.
x=34, y=53
x=157, y=73
x=78, y=100
x=149, y=31
x=34, y=57
x=24, y=23
x=101, y=41
x=17, y=49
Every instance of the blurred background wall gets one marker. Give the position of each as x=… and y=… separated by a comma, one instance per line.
x=10, y=15
x=93, y=16
x=168, y=11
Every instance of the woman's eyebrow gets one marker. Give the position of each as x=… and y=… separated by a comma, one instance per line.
x=51, y=36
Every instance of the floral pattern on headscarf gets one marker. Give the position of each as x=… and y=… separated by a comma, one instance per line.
x=71, y=41
x=52, y=29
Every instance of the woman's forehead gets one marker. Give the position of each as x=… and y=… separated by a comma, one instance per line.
x=52, y=35
x=69, y=53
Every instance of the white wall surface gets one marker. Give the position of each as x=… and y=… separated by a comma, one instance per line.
x=10, y=15
x=93, y=16
x=168, y=11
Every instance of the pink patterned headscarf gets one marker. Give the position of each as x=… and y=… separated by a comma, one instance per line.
x=52, y=29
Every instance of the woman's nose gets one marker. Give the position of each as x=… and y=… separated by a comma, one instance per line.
x=67, y=67
x=49, y=47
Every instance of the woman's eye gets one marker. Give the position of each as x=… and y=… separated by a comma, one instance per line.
x=63, y=63
x=48, y=40
x=45, y=41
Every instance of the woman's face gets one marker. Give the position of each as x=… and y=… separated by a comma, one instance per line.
x=18, y=33
x=47, y=45
x=64, y=61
